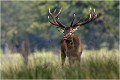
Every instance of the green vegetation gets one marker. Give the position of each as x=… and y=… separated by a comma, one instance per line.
x=29, y=18
x=101, y=64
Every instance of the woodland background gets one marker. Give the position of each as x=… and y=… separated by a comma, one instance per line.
x=28, y=19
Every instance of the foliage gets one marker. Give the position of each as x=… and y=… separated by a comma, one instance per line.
x=29, y=19
x=100, y=64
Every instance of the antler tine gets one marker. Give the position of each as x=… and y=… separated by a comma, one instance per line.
x=94, y=9
x=52, y=22
x=48, y=17
x=58, y=21
x=54, y=11
x=72, y=20
x=59, y=12
x=90, y=9
x=50, y=11
x=92, y=16
x=54, y=18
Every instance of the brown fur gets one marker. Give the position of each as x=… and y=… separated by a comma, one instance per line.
x=72, y=48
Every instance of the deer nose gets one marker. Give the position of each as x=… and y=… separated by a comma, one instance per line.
x=66, y=36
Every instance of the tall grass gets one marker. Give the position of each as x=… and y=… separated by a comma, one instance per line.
x=101, y=64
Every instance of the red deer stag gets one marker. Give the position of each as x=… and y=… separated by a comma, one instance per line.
x=71, y=45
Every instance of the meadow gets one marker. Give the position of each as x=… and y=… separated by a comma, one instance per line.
x=95, y=64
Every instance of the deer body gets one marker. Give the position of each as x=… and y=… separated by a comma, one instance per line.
x=71, y=45
x=72, y=48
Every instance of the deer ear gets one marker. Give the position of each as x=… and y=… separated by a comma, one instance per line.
x=60, y=30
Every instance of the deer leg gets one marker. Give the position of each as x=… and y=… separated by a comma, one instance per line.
x=78, y=60
x=71, y=61
x=63, y=56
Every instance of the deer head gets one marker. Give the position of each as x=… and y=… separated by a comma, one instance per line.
x=69, y=30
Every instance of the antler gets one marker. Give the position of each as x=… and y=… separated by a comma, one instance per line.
x=92, y=16
x=55, y=20
x=73, y=20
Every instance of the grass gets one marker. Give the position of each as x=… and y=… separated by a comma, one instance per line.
x=101, y=64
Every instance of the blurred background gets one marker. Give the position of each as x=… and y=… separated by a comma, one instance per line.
x=27, y=20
